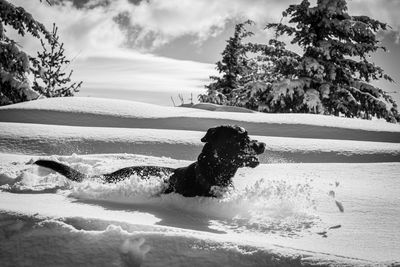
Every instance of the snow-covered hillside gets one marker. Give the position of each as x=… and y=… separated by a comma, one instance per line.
x=97, y=112
x=325, y=193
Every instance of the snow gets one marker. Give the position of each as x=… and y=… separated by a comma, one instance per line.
x=329, y=200
x=133, y=110
x=59, y=139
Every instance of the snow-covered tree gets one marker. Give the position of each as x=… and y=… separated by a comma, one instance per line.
x=14, y=63
x=270, y=63
x=331, y=76
x=334, y=73
x=234, y=67
x=50, y=79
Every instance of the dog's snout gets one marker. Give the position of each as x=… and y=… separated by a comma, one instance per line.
x=259, y=147
x=252, y=162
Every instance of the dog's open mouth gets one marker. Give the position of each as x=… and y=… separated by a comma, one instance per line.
x=249, y=156
x=252, y=162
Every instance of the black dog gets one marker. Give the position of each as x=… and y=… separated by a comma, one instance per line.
x=226, y=149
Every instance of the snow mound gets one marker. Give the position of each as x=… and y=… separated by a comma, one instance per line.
x=178, y=144
x=35, y=111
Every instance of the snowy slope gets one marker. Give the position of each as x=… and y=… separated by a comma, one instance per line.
x=128, y=114
x=59, y=139
x=284, y=213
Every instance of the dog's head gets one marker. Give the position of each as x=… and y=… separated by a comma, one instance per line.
x=231, y=146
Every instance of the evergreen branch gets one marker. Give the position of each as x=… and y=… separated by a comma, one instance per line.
x=22, y=21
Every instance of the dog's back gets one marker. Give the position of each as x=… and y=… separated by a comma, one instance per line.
x=142, y=171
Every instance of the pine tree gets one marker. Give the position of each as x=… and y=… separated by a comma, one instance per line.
x=271, y=63
x=48, y=68
x=334, y=73
x=234, y=67
x=14, y=63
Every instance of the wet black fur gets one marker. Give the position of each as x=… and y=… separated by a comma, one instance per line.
x=226, y=149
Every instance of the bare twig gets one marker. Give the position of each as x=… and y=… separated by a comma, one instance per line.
x=181, y=98
x=173, y=102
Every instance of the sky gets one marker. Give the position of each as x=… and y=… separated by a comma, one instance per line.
x=152, y=50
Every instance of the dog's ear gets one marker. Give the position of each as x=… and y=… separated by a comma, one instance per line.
x=240, y=130
x=210, y=135
x=223, y=130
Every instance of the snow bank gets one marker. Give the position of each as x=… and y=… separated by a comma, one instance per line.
x=128, y=114
x=66, y=140
x=132, y=109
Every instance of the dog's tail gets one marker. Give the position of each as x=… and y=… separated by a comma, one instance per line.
x=62, y=169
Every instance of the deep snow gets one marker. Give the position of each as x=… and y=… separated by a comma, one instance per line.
x=285, y=212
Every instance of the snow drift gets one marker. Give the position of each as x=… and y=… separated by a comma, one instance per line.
x=308, y=206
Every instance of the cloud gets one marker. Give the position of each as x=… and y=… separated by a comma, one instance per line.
x=163, y=21
x=83, y=30
x=93, y=26
x=98, y=25
x=102, y=62
x=134, y=71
